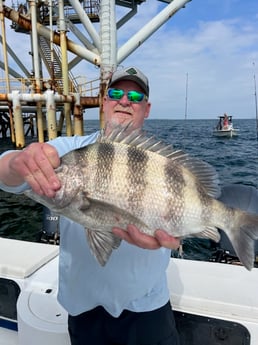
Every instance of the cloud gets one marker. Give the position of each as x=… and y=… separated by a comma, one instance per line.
x=218, y=57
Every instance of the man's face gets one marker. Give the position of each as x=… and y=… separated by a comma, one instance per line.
x=123, y=111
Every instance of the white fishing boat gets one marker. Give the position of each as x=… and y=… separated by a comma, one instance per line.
x=214, y=303
x=225, y=127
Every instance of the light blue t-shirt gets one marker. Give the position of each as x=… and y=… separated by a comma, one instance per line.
x=133, y=278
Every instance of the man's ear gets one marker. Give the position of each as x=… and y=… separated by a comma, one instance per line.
x=147, y=111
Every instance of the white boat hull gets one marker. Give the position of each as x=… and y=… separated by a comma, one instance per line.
x=206, y=289
x=226, y=133
x=214, y=290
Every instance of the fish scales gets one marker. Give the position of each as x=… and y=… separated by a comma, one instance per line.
x=175, y=190
x=105, y=160
x=197, y=205
x=159, y=205
x=134, y=179
x=136, y=176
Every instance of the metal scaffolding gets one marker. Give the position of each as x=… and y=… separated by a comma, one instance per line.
x=49, y=24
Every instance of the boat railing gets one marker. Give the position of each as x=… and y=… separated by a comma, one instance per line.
x=28, y=85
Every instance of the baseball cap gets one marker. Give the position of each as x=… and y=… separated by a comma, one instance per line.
x=131, y=73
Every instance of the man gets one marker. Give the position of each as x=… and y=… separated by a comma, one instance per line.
x=127, y=301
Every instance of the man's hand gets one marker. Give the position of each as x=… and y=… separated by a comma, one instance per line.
x=134, y=236
x=35, y=165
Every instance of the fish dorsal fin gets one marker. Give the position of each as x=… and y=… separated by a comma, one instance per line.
x=203, y=171
x=137, y=138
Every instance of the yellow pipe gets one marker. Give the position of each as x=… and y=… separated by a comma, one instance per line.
x=18, y=120
x=6, y=69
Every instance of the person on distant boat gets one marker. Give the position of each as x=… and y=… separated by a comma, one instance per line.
x=225, y=121
x=127, y=301
x=219, y=124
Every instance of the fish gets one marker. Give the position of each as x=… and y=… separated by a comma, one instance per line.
x=130, y=177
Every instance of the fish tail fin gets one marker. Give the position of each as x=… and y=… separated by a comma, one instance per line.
x=244, y=231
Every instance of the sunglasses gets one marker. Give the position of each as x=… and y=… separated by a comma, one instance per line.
x=132, y=96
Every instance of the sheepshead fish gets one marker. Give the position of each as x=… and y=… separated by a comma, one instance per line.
x=131, y=178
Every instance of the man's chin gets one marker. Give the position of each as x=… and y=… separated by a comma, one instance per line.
x=118, y=121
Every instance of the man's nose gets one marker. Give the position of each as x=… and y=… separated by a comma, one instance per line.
x=124, y=100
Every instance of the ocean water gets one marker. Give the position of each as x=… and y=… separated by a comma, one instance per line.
x=235, y=159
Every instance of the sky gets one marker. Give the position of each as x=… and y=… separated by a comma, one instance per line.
x=201, y=63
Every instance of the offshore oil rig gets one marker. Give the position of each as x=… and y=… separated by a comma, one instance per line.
x=41, y=105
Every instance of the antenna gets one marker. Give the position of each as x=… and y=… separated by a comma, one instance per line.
x=186, y=100
x=186, y=95
x=255, y=98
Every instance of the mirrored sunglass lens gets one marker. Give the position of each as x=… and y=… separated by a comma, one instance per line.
x=115, y=93
x=135, y=96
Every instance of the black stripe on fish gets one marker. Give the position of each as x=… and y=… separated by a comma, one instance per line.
x=81, y=157
x=137, y=161
x=105, y=161
x=175, y=184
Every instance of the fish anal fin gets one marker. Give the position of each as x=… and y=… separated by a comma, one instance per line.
x=101, y=244
x=209, y=233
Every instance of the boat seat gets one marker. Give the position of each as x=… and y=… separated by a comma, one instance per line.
x=19, y=259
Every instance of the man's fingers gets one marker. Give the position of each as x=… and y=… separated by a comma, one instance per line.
x=50, y=161
x=134, y=236
x=167, y=240
x=122, y=234
x=52, y=155
x=142, y=240
x=36, y=164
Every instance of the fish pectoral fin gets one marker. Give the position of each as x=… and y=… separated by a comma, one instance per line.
x=210, y=233
x=101, y=244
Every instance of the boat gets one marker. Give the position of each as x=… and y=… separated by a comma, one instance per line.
x=214, y=303
x=225, y=127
